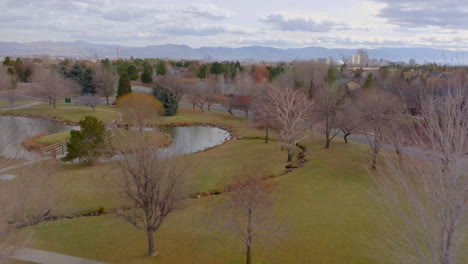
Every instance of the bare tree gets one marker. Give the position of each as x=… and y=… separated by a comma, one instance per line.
x=151, y=184
x=196, y=97
x=105, y=80
x=227, y=102
x=26, y=199
x=9, y=83
x=377, y=110
x=288, y=111
x=246, y=211
x=51, y=86
x=173, y=82
x=425, y=202
x=329, y=102
x=308, y=75
x=348, y=120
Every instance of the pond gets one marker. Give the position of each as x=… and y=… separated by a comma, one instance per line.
x=185, y=140
x=191, y=139
x=14, y=129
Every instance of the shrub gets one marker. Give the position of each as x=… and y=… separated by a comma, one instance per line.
x=139, y=108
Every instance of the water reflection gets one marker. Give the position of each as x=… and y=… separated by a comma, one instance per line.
x=186, y=140
x=15, y=129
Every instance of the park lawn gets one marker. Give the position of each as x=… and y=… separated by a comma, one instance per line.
x=54, y=138
x=68, y=112
x=90, y=187
x=3, y=102
x=325, y=208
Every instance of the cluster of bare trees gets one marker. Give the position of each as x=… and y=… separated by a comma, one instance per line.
x=52, y=86
x=425, y=202
x=288, y=112
x=8, y=83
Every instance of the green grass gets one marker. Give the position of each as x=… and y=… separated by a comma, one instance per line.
x=54, y=138
x=325, y=207
x=68, y=112
x=3, y=102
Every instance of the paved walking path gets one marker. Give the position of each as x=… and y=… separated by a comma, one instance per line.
x=22, y=106
x=20, y=165
x=46, y=257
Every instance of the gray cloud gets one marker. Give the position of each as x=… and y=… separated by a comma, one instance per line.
x=207, y=12
x=203, y=30
x=282, y=22
x=421, y=13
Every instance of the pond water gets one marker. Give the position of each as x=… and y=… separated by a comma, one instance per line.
x=187, y=140
x=15, y=129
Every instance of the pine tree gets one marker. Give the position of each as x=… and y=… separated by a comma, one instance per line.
x=167, y=99
x=124, y=86
x=369, y=81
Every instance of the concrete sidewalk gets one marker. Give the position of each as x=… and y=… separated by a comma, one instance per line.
x=46, y=257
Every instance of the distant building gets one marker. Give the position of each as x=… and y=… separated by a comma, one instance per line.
x=364, y=57
x=412, y=62
x=355, y=59
x=322, y=60
x=350, y=84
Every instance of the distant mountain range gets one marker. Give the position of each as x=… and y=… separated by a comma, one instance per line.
x=82, y=49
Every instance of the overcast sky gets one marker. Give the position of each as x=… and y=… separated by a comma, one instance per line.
x=276, y=23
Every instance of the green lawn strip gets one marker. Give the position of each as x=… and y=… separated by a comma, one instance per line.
x=3, y=102
x=54, y=138
x=326, y=208
x=67, y=112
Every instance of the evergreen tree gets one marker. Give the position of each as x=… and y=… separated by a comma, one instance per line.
x=132, y=72
x=167, y=99
x=86, y=144
x=331, y=75
x=203, y=71
x=369, y=81
x=146, y=76
x=7, y=61
x=217, y=68
x=124, y=86
x=161, y=68
x=83, y=75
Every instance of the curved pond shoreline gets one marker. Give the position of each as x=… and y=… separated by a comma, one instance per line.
x=229, y=135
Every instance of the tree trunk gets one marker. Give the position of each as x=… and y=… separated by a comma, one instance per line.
x=107, y=100
x=290, y=153
x=374, y=160
x=151, y=244
x=346, y=137
x=209, y=108
x=248, y=255
x=246, y=114
x=327, y=144
x=266, y=135
x=193, y=105
x=230, y=111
